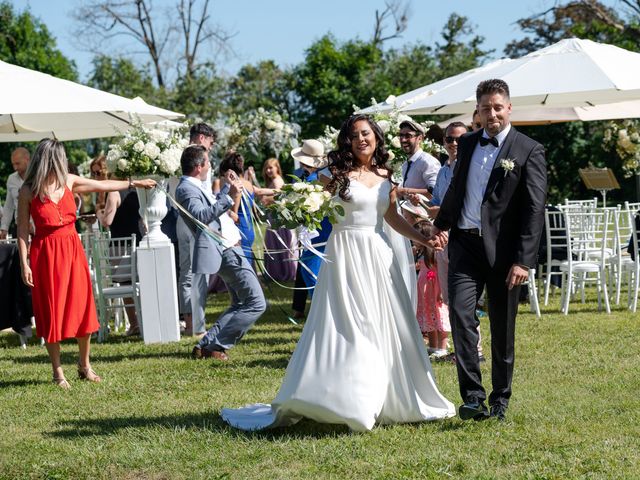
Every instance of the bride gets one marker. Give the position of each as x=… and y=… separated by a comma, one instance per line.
x=360, y=360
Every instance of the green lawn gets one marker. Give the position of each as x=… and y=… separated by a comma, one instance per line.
x=575, y=412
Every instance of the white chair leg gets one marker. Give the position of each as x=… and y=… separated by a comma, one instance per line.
x=547, y=285
x=605, y=293
x=533, y=294
x=636, y=285
x=567, y=296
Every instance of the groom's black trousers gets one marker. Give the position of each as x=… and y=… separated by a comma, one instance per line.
x=469, y=273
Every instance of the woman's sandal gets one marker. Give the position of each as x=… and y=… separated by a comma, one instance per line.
x=62, y=383
x=87, y=373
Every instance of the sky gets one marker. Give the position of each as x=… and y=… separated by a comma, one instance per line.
x=281, y=30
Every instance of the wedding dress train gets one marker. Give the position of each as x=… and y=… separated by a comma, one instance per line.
x=360, y=360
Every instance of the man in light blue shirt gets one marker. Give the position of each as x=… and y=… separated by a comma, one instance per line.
x=451, y=135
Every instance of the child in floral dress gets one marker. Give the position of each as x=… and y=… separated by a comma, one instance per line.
x=432, y=312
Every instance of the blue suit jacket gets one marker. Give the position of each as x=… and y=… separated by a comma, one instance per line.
x=207, y=253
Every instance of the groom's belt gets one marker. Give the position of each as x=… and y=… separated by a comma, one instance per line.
x=470, y=231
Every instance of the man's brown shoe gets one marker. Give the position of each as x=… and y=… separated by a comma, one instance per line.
x=217, y=354
x=197, y=353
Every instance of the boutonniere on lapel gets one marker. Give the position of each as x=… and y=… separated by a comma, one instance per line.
x=507, y=164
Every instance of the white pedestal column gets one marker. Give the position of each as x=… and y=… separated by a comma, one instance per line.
x=158, y=293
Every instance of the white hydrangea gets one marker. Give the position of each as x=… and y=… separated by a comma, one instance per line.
x=299, y=187
x=318, y=188
x=384, y=125
x=395, y=142
x=138, y=146
x=123, y=164
x=270, y=124
x=151, y=150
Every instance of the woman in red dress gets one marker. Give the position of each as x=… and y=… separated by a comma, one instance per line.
x=57, y=271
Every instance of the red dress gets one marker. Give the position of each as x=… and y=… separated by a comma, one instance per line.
x=63, y=303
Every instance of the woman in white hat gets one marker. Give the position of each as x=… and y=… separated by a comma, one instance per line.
x=360, y=360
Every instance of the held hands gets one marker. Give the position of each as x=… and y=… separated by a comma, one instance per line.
x=439, y=239
x=235, y=183
x=517, y=275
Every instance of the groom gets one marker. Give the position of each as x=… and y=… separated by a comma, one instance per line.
x=495, y=209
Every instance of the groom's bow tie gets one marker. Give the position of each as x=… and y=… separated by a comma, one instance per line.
x=492, y=140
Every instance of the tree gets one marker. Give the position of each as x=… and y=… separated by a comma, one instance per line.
x=461, y=49
x=102, y=21
x=584, y=19
x=333, y=77
x=576, y=145
x=261, y=85
x=26, y=41
x=121, y=77
x=396, y=11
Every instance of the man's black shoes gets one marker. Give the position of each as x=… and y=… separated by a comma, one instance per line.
x=473, y=409
x=498, y=411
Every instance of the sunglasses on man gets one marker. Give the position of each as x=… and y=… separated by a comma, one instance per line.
x=450, y=139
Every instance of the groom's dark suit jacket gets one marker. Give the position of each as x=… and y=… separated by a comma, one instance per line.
x=513, y=204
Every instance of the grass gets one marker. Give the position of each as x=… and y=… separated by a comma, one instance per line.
x=575, y=412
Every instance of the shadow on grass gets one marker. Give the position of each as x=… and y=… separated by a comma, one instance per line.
x=72, y=357
x=20, y=383
x=207, y=422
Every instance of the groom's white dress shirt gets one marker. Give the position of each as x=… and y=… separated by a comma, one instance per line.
x=482, y=161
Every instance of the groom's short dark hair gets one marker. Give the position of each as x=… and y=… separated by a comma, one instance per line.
x=494, y=85
x=201, y=129
x=192, y=157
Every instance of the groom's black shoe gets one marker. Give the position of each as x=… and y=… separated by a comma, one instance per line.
x=498, y=411
x=473, y=409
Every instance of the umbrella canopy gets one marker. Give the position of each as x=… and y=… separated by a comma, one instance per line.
x=570, y=73
x=544, y=116
x=34, y=105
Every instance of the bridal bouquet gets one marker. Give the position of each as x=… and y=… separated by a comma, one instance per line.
x=303, y=204
x=142, y=151
x=624, y=138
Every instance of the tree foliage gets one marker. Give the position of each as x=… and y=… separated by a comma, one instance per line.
x=577, y=144
x=25, y=41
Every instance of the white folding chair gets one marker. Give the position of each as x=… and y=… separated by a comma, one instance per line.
x=621, y=263
x=534, y=302
x=114, y=260
x=582, y=265
x=634, y=283
x=633, y=206
x=557, y=247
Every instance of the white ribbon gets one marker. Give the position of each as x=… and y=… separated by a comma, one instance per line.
x=305, y=236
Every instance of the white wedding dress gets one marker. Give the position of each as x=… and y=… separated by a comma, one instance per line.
x=360, y=360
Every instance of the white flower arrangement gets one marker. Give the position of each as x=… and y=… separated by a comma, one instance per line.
x=624, y=138
x=303, y=204
x=507, y=165
x=142, y=151
x=256, y=131
x=389, y=122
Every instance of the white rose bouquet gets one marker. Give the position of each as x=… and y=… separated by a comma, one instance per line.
x=142, y=152
x=303, y=204
x=624, y=138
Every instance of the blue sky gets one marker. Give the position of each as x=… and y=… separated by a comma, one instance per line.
x=282, y=29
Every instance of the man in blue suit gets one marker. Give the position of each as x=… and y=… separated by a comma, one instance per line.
x=211, y=257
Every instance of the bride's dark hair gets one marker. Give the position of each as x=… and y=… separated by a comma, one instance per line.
x=342, y=161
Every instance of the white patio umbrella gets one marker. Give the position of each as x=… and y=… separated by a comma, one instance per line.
x=34, y=105
x=544, y=116
x=570, y=73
